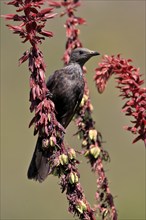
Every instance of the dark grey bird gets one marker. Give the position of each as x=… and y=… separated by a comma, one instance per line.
x=67, y=87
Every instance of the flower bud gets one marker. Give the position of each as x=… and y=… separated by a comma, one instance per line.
x=105, y=213
x=84, y=99
x=80, y=135
x=52, y=141
x=81, y=206
x=84, y=142
x=57, y=161
x=91, y=107
x=49, y=117
x=72, y=153
x=86, y=153
x=58, y=134
x=95, y=151
x=63, y=159
x=93, y=134
x=73, y=178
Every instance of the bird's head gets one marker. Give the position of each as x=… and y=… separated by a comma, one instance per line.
x=82, y=55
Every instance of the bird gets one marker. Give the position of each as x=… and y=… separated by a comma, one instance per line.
x=66, y=87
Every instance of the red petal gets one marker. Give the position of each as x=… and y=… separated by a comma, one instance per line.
x=46, y=33
x=55, y=4
x=33, y=93
x=15, y=28
x=24, y=57
x=34, y=10
x=15, y=3
x=38, y=91
x=45, y=11
x=137, y=139
x=42, y=75
x=8, y=16
x=81, y=21
x=50, y=16
x=33, y=121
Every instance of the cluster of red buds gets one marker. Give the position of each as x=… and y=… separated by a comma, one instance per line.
x=31, y=29
x=72, y=21
x=129, y=82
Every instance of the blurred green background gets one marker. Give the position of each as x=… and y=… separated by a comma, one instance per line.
x=112, y=27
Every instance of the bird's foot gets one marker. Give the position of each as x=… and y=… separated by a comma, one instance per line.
x=49, y=94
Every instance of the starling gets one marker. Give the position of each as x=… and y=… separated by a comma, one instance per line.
x=67, y=87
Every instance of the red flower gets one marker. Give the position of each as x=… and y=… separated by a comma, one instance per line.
x=129, y=82
x=33, y=20
x=72, y=32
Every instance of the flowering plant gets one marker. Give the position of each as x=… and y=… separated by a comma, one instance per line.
x=63, y=161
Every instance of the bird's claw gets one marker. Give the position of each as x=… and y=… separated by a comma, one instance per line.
x=49, y=95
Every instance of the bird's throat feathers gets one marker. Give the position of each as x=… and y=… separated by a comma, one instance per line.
x=74, y=69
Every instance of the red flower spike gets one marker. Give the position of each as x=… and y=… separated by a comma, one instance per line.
x=129, y=82
x=72, y=32
x=84, y=120
x=34, y=20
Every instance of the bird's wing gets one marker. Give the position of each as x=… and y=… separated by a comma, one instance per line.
x=56, y=85
x=67, y=95
x=52, y=80
x=67, y=115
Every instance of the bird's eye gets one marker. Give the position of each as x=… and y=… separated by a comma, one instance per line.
x=81, y=52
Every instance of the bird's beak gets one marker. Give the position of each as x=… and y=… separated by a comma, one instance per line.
x=94, y=53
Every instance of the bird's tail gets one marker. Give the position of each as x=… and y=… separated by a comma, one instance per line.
x=39, y=166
